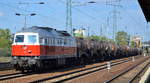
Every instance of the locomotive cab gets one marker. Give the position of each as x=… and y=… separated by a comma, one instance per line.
x=25, y=49
x=25, y=44
x=26, y=38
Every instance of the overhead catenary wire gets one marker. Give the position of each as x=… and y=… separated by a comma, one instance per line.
x=46, y=18
x=14, y=9
x=80, y=11
x=136, y=20
x=131, y=17
x=93, y=18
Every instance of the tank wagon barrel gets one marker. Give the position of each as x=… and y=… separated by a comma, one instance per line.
x=92, y=50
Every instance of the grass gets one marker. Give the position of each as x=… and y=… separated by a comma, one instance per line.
x=5, y=59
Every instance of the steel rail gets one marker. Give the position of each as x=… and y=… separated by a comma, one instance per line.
x=5, y=66
x=125, y=71
x=96, y=68
x=17, y=75
x=8, y=74
x=132, y=79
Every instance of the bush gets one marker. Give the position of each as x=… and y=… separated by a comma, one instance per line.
x=5, y=53
x=5, y=42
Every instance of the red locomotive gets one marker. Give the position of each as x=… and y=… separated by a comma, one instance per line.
x=40, y=47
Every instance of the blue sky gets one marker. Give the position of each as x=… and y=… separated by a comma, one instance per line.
x=94, y=16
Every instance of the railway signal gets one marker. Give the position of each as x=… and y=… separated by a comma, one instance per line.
x=108, y=65
x=133, y=59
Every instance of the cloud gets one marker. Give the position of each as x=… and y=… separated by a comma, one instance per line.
x=1, y=13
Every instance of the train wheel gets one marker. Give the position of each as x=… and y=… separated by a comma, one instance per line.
x=34, y=68
x=82, y=61
x=17, y=67
x=85, y=60
x=22, y=70
x=39, y=66
x=95, y=58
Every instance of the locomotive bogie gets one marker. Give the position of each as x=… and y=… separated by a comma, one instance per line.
x=24, y=62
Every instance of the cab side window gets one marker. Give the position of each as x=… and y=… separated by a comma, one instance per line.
x=57, y=41
x=61, y=42
x=42, y=40
x=50, y=41
x=65, y=41
x=46, y=41
x=53, y=40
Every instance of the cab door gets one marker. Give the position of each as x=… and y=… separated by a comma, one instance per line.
x=46, y=46
x=32, y=45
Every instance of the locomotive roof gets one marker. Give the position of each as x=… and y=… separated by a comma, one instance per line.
x=45, y=31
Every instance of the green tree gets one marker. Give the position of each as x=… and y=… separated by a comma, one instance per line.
x=122, y=38
x=100, y=38
x=132, y=44
x=5, y=42
x=94, y=37
x=103, y=38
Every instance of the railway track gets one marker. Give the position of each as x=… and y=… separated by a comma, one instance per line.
x=130, y=74
x=79, y=73
x=14, y=75
x=5, y=66
x=67, y=76
x=137, y=76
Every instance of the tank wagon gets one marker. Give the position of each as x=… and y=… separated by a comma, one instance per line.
x=39, y=47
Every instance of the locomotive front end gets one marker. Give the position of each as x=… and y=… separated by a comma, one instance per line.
x=25, y=50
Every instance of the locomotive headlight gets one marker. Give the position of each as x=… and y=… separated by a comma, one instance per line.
x=35, y=57
x=24, y=47
x=14, y=57
x=14, y=60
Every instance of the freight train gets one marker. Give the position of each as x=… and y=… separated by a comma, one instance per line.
x=39, y=47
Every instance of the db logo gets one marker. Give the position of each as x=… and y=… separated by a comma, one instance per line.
x=24, y=47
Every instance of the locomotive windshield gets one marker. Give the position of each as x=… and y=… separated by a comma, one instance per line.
x=19, y=38
x=32, y=39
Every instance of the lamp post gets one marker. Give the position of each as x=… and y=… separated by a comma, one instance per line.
x=27, y=3
x=25, y=17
